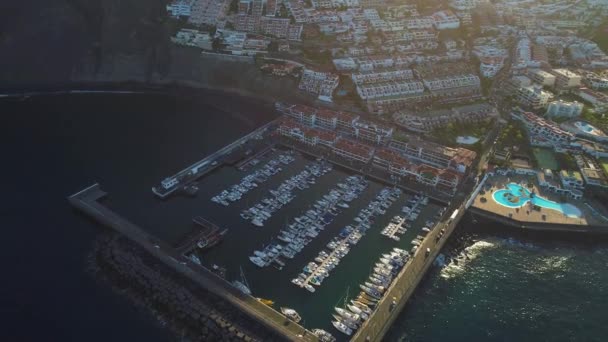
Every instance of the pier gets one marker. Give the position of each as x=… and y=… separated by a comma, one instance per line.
x=88, y=202
x=210, y=235
x=173, y=183
x=408, y=279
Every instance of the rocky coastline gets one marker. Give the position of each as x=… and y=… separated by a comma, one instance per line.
x=190, y=312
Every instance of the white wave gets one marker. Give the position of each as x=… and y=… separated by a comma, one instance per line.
x=549, y=264
x=470, y=253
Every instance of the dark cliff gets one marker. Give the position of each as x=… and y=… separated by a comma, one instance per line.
x=45, y=41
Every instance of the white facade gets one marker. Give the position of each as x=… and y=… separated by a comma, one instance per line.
x=542, y=77
x=452, y=81
x=565, y=78
x=180, y=8
x=444, y=20
x=533, y=96
x=377, y=90
x=564, y=109
x=464, y=5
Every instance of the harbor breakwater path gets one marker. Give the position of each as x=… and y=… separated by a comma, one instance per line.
x=87, y=201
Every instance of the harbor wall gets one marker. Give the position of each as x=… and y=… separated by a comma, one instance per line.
x=87, y=201
x=408, y=279
x=186, y=309
x=540, y=226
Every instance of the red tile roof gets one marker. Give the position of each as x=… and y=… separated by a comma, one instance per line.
x=326, y=113
x=353, y=147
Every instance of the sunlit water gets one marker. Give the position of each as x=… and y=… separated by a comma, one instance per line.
x=507, y=289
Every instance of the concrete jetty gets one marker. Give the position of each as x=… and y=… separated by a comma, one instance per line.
x=87, y=201
x=408, y=279
x=173, y=183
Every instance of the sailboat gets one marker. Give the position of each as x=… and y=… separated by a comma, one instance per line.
x=242, y=284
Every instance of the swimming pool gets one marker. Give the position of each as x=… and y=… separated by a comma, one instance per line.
x=588, y=128
x=515, y=196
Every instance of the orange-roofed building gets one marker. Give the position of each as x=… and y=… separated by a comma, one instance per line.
x=353, y=150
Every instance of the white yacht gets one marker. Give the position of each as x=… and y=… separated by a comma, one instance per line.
x=342, y=328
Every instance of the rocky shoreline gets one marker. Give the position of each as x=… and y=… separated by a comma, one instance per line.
x=188, y=311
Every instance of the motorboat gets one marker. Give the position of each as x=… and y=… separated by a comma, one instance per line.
x=323, y=335
x=257, y=261
x=291, y=314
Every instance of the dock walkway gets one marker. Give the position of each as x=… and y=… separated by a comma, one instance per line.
x=196, y=170
x=87, y=201
x=408, y=279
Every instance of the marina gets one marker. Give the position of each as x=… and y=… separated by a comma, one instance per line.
x=340, y=245
x=251, y=181
x=304, y=231
x=337, y=207
x=350, y=317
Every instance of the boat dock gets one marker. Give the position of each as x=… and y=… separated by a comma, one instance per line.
x=173, y=183
x=87, y=201
x=326, y=261
x=393, y=229
x=207, y=237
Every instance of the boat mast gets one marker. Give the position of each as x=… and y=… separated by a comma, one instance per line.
x=243, y=279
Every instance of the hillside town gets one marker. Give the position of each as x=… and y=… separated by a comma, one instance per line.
x=521, y=83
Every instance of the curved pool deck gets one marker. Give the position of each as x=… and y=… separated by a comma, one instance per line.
x=516, y=196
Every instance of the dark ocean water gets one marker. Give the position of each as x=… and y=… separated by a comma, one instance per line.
x=54, y=146
x=512, y=289
x=508, y=290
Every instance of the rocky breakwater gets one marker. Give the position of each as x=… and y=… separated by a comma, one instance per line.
x=188, y=310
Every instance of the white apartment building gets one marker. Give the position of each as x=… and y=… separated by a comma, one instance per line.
x=533, y=97
x=344, y=64
x=208, y=11
x=565, y=78
x=319, y=83
x=451, y=81
x=180, y=8
x=564, y=109
x=464, y=5
x=597, y=82
x=386, y=89
x=382, y=76
x=597, y=99
x=542, y=77
x=444, y=20
x=541, y=129
x=418, y=23
x=193, y=38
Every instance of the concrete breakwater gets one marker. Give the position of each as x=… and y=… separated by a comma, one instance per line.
x=190, y=311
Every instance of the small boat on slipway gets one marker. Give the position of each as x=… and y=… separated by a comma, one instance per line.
x=291, y=314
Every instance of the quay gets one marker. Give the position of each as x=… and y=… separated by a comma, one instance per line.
x=407, y=280
x=593, y=229
x=88, y=202
x=173, y=183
